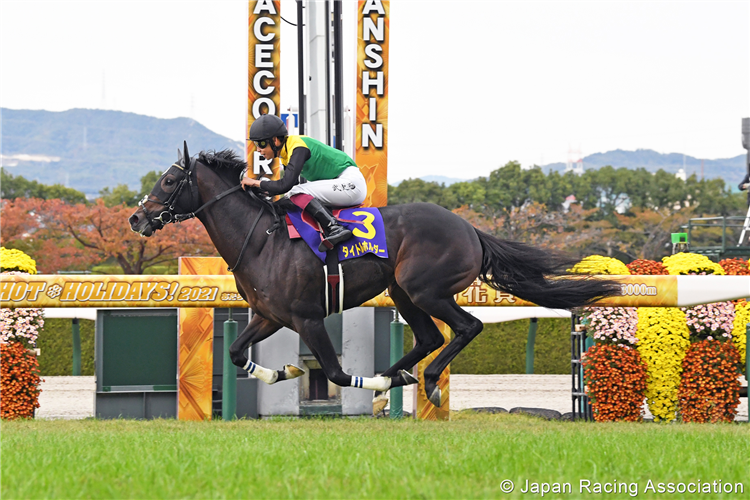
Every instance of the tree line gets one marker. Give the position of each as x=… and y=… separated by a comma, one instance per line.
x=617, y=212
x=621, y=212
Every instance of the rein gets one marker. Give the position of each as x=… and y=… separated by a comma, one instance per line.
x=188, y=179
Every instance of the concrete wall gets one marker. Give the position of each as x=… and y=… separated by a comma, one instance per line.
x=279, y=349
x=358, y=358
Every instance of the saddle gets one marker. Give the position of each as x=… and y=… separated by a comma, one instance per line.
x=368, y=237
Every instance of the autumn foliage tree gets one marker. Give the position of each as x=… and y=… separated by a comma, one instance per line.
x=75, y=236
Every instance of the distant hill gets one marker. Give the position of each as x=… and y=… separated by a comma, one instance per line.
x=90, y=149
x=440, y=179
x=730, y=169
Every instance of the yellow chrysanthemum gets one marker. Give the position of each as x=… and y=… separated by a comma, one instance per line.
x=739, y=329
x=598, y=264
x=663, y=340
x=691, y=263
x=16, y=260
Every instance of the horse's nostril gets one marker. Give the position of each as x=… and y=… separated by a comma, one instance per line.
x=133, y=220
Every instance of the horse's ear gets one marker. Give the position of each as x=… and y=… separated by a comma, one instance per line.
x=179, y=155
x=187, y=155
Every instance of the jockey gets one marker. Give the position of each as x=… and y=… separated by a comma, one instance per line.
x=333, y=179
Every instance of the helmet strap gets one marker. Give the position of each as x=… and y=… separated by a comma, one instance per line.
x=276, y=148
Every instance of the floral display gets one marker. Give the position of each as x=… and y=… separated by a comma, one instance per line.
x=645, y=267
x=710, y=321
x=615, y=378
x=710, y=388
x=19, y=380
x=735, y=267
x=663, y=339
x=598, y=264
x=612, y=325
x=691, y=263
x=16, y=260
x=739, y=329
x=19, y=329
x=21, y=325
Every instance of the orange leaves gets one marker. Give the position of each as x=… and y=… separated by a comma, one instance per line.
x=19, y=381
x=615, y=378
x=62, y=236
x=709, y=388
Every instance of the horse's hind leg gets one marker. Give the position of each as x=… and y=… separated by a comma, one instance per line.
x=466, y=328
x=426, y=335
x=259, y=328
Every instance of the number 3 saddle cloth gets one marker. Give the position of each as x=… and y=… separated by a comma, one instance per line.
x=366, y=225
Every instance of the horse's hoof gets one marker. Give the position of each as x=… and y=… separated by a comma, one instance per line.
x=379, y=403
x=407, y=377
x=292, y=371
x=434, y=397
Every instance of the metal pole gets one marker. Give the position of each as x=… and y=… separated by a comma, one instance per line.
x=338, y=87
x=76, y=348
x=533, y=324
x=397, y=352
x=229, y=382
x=301, y=68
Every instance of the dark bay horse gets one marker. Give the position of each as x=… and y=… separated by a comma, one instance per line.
x=433, y=254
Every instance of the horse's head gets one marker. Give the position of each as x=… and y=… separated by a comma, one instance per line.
x=174, y=197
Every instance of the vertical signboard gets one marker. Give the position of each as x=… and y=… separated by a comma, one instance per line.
x=371, y=139
x=264, y=74
x=195, y=346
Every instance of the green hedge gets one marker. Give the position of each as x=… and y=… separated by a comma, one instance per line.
x=501, y=348
x=56, y=344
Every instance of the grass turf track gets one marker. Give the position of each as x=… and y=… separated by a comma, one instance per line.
x=468, y=457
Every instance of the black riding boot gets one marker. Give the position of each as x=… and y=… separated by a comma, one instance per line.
x=334, y=233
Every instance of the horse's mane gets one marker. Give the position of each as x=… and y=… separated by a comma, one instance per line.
x=229, y=160
x=226, y=158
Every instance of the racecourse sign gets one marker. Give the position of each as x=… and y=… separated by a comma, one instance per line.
x=19, y=290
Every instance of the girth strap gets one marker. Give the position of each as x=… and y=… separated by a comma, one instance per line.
x=334, y=283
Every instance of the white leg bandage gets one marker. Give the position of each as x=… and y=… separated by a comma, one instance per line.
x=372, y=383
x=263, y=374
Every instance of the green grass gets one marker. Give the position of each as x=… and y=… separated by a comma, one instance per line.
x=468, y=457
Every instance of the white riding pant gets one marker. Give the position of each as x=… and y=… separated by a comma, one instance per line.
x=348, y=189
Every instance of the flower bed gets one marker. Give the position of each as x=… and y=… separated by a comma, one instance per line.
x=615, y=378
x=710, y=388
x=19, y=328
x=663, y=339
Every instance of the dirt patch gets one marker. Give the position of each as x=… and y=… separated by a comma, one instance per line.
x=73, y=397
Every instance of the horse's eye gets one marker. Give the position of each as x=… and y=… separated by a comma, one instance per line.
x=168, y=182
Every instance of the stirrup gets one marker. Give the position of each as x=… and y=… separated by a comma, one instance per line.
x=332, y=239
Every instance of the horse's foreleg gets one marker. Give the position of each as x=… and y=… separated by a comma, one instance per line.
x=258, y=329
x=313, y=333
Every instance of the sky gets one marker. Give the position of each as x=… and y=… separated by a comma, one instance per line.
x=473, y=84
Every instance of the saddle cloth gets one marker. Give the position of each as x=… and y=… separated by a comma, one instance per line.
x=366, y=225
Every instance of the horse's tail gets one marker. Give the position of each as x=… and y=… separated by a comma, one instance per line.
x=533, y=274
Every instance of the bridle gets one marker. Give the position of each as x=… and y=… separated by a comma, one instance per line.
x=168, y=215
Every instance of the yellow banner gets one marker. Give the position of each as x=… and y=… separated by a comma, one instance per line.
x=637, y=291
x=221, y=291
x=118, y=291
x=371, y=136
x=264, y=74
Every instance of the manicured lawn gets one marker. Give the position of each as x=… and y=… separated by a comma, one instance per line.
x=468, y=457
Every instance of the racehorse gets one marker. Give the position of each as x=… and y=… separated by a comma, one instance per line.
x=433, y=254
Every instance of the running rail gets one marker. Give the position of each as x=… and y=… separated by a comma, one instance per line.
x=111, y=291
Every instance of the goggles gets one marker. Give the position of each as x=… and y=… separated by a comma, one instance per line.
x=262, y=143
